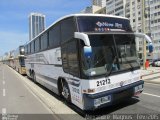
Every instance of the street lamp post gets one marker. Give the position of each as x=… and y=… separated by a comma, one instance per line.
x=143, y=28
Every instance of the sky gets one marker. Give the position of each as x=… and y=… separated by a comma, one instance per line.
x=14, y=24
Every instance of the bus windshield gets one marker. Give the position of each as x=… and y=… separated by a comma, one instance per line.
x=22, y=62
x=21, y=49
x=110, y=52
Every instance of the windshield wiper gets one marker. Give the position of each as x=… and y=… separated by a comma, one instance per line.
x=111, y=69
x=124, y=56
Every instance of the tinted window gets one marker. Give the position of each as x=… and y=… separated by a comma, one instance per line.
x=70, y=58
x=37, y=45
x=21, y=48
x=67, y=29
x=73, y=58
x=54, y=36
x=29, y=48
x=64, y=59
x=26, y=49
x=32, y=47
x=22, y=62
x=40, y=47
x=44, y=41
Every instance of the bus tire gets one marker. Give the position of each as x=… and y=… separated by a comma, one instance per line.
x=65, y=92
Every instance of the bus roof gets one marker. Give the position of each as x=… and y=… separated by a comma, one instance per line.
x=99, y=15
x=78, y=15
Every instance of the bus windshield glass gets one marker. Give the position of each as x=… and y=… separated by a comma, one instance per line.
x=22, y=62
x=21, y=49
x=110, y=52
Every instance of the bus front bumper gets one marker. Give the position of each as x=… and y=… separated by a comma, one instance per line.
x=110, y=97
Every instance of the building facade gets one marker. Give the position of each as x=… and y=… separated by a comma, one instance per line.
x=36, y=24
x=154, y=6
x=147, y=22
x=100, y=3
x=115, y=7
x=87, y=10
x=133, y=11
x=98, y=6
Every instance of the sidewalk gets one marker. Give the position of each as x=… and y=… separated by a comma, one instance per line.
x=151, y=75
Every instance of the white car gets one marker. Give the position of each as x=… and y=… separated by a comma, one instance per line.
x=157, y=63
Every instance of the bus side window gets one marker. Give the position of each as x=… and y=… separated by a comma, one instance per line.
x=26, y=49
x=73, y=61
x=29, y=48
x=44, y=41
x=64, y=58
x=67, y=29
x=54, y=36
x=37, y=45
x=70, y=58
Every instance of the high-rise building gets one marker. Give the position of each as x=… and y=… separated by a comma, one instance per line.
x=98, y=6
x=100, y=3
x=147, y=22
x=154, y=6
x=133, y=11
x=116, y=7
x=36, y=24
x=87, y=10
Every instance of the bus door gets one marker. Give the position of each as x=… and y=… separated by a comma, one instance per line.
x=70, y=62
x=70, y=59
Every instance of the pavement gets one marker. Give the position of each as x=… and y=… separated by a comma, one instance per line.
x=151, y=75
x=17, y=101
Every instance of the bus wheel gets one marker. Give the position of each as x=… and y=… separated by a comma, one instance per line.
x=65, y=91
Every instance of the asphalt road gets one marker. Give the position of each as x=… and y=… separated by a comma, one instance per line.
x=17, y=101
x=16, y=98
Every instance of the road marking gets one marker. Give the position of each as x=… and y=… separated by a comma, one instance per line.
x=153, y=84
x=151, y=94
x=4, y=92
x=4, y=111
x=4, y=82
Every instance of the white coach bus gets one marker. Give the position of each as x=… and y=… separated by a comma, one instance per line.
x=88, y=59
x=19, y=62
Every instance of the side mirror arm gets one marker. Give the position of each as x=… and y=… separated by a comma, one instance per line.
x=83, y=37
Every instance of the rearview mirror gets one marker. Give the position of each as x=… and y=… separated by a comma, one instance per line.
x=87, y=51
x=150, y=46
